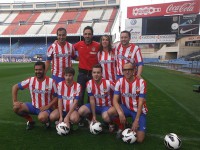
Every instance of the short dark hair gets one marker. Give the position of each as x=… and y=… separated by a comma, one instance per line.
x=69, y=70
x=97, y=66
x=125, y=31
x=61, y=29
x=88, y=28
x=40, y=63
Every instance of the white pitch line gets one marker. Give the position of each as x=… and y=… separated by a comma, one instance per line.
x=175, y=100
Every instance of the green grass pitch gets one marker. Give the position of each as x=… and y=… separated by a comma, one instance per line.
x=173, y=107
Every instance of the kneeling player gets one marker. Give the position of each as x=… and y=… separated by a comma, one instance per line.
x=68, y=96
x=100, y=94
x=43, y=94
x=132, y=93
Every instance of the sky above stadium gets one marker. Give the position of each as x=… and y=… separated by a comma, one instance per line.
x=128, y=2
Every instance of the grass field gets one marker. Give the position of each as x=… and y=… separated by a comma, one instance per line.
x=173, y=107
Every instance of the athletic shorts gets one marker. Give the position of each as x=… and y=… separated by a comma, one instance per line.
x=57, y=79
x=129, y=113
x=98, y=109
x=35, y=111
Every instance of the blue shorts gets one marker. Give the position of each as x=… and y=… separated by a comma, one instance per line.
x=35, y=111
x=129, y=113
x=98, y=109
x=57, y=79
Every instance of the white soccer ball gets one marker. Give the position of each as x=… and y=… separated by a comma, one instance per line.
x=62, y=128
x=95, y=127
x=129, y=136
x=172, y=141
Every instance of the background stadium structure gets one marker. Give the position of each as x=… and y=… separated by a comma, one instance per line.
x=29, y=28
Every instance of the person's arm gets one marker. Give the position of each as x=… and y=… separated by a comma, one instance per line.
x=47, y=64
x=139, y=71
x=135, y=124
x=67, y=118
x=120, y=112
x=16, y=103
x=92, y=104
x=60, y=109
x=50, y=105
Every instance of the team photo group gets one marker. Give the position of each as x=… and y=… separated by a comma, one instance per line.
x=109, y=73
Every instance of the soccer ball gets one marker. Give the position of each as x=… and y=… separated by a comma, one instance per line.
x=129, y=136
x=172, y=141
x=62, y=128
x=95, y=127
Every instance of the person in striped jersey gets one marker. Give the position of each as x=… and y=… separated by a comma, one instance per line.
x=131, y=91
x=127, y=52
x=61, y=54
x=43, y=93
x=68, y=96
x=106, y=58
x=100, y=93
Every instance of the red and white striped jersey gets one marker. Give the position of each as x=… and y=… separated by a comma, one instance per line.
x=41, y=91
x=61, y=57
x=102, y=92
x=130, y=93
x=107, y=62
x=127, y=54
x=68, y=94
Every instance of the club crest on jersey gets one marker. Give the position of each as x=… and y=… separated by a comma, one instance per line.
x=93, y=48
x=137, y=89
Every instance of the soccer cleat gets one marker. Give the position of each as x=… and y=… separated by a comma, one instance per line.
x=30, y=125
x=119, y=134
x=81, y=124
x=47, y=125
x=111, y=128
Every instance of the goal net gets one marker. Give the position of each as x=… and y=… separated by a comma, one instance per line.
x=14, y=58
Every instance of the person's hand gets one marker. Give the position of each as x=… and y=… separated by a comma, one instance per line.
x=94, y=119
x=135, y=126
x=44, y=108
x=17, y=105
x=122, y=118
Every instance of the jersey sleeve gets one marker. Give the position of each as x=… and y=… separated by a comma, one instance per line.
x=54, y=89
x=142, y=88
x=50, y=53
x=77, y=96
x=24, y=84
x=117, y=88
x=89, y=88
x=59, y=90
x=138, y=58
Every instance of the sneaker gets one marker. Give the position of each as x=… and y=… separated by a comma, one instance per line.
x=47, y=125
x=88, y=121
x=111, y=128
x=30, y=125
x=119, y=134
x=81, y=124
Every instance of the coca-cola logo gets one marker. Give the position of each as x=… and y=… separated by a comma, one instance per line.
x=185, y=7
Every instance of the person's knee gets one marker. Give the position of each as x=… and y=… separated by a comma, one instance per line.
x=74, y=118
x=105, y=117
x=42, y=118
x=140, y=140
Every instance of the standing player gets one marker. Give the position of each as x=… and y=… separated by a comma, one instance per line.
x=43, y=94
x=127, y=52
x=60, y=53
x=106, y=58
x=99, y=91
x=87, y=51
x=131, y=91
x=68, y=96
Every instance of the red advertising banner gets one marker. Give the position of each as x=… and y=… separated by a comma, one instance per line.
x=185, y=7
